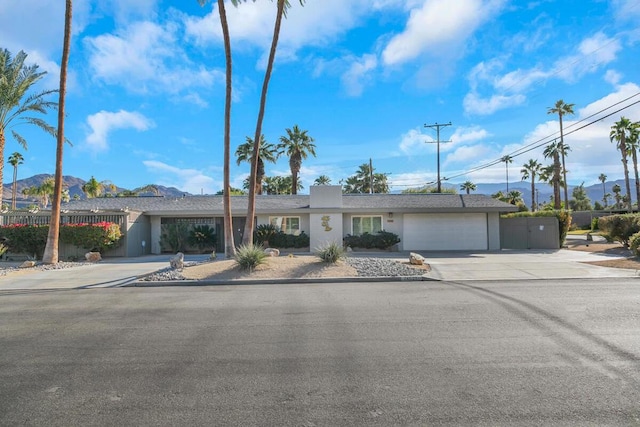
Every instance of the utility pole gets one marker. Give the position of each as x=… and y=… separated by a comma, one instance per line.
x=437, y=127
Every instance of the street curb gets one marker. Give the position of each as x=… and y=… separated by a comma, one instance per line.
x=243, y=282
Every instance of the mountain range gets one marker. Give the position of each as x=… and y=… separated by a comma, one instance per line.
x=594, y=192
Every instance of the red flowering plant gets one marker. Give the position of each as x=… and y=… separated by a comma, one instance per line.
x=25, y=239
x=96, y=237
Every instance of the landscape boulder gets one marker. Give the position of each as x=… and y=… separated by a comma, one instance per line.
x=93, y=256
x=177, y=262
x=272, y=252
x=416, y=259
x=27, y=264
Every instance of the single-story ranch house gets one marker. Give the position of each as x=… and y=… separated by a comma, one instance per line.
x=424, y=222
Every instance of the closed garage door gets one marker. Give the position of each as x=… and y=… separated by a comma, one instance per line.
x=438, y=232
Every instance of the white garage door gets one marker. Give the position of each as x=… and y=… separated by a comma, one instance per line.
x=442, y=232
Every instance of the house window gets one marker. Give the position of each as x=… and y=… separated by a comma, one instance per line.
x=365, y=224
x=286, y=224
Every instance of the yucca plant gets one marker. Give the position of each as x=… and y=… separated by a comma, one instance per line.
x=248, y=257
x=331, y=252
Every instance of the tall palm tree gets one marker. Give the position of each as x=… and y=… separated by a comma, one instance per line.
x=553, y=151
x=298, y=145
x=50, y=255
x=16, y=79
x=531, y=169
x=632, y=148
x=282, y=6
x=229, y=245
x=507, y=159
x=603, y=178
x=361, y=181
x=620, y=131
x=562, y=108
x=94, y=188
x=322, y=180
x=468, y=186
x=268, y=152
x=616, y=194
x=14, y=160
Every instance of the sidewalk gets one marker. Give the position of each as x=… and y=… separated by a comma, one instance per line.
x=449, y=266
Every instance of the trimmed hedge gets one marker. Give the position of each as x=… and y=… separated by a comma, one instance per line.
x=564, y=220
x=32, y=239
x=279, y=239
x=380, y=240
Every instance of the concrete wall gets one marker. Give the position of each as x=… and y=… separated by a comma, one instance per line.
x=156, y=231
x=493, y=231
x=325, y=227
x=138, y=231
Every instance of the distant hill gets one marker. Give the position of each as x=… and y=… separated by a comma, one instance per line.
x=75, y=189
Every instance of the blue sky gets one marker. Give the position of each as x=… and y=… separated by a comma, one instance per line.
x=146, y=86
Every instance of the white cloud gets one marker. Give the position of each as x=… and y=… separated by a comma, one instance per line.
x=358, y=74
x=146, y=57
x=104, y=122
x=438, y=27
x=475, y=104
x=191, y=180
x=469, y=134
x=414, y=141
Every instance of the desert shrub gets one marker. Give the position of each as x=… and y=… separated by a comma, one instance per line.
x=202, y=237
x=174, y=237
x=594, y=224
x=620, y=227
x=248, y=257
x=634, y=243
x=563, y=216
x=3, y=249
x=331, y=252
x=25, y=239
x=380, y=240
x=98, y=237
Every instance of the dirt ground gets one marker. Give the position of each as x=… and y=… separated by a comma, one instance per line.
x=629, y=261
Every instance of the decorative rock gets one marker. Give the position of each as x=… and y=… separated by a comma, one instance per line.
x=416, y=259
x=93, y=256
x=272, y=252
x=27, y=264
x=177, y=262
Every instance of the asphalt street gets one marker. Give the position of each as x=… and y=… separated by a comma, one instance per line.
x=511, y=353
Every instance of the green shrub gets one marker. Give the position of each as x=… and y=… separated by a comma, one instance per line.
x=564, y=220
x=634, y=243
x=202, y=237
x=264, y=232
x=620, y=227
x=380, y=240
x=97, y=237
x=282, y=240
x=248, y=257
x=331, y=253
x=174, y=237
x=3, y=249
x=25, y=239
x=594, y=224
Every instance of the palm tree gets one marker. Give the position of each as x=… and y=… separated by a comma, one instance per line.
x=361, y=181
x=94, y=188
x=603, y=178
x=513, y=197
x=562, y=108
x=282, y=6
x=530, y=170
x=14, y=160
x=467, y=186
x=322, y=180
x=16, y=79
x=297, y=144
x=507, y=159
x=42, y=192
x=553, y=151
x=632, y=147
x=268, y=152
x=50, y=255
x=620, y=131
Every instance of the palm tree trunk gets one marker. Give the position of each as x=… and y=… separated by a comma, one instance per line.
x=533, y=193
x=247, y=238
x=50, y=255
x=229, y=245
x=556, y=182
x=295, y=163
x=2, y=142
x=14, y=187
x=626, y=179
x=564, y=169
x=634, y=158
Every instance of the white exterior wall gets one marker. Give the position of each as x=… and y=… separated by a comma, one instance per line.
x=156, y=232
x=493, y=231
x=304, y=221
x=325, y=227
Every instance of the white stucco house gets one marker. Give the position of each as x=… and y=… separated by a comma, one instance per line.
x=424, y=222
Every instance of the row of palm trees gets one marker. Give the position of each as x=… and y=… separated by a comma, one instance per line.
x=296, y=144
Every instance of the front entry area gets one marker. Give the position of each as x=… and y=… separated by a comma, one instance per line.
x=445, y=232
